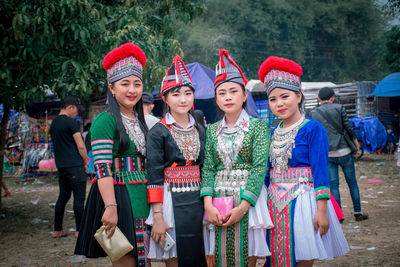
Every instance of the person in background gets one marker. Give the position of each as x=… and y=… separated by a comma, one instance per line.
x=148, y=105
x=200, y=118
x=396, y=127
x=335, y=120
x=390, y=140
x=71, y=161
x=86, y=139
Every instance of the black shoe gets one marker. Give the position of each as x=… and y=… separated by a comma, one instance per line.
x=341, y=220
x=361, y=216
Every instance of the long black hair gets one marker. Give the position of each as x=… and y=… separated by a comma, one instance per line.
x=123, y=142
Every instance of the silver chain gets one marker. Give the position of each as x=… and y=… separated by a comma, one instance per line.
x=230, y=142
x=135, y=133
x=282, y=143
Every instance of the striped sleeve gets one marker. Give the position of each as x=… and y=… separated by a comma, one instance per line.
x=102, y=135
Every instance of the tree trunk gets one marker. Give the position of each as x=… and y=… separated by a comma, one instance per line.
x=3, y=135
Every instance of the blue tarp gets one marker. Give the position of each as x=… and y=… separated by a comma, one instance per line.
x=13, y=113
x=388, y=86
x=371, y=132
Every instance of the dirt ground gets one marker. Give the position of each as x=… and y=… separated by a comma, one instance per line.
x=26, y=219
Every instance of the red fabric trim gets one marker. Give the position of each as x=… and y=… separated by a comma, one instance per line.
x=164, y=121
x=173, y=83
x=233, y=62
x=220, y=78
x=155, y=194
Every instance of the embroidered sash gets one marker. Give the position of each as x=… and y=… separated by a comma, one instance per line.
x=183, y=178
x=284, y=186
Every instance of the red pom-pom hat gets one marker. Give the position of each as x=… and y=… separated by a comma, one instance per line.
x=228, y=71
x=177, y=75
x=278, y=72
x=125, y=60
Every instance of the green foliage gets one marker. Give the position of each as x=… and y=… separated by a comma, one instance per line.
x=62, y=43
x=391, y=53
x=337, y=41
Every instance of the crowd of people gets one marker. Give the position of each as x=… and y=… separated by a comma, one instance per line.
x=223, y=195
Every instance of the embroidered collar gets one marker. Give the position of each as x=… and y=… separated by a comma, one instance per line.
x=169, y=119
x=243, y=122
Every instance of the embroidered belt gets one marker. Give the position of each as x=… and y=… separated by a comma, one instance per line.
x=183, y=178
x=129, y=164
x=230, y=181
x=292, y=175
x=285, y=186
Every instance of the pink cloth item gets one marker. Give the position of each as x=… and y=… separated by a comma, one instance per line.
x=223, y=205
x=374, y=181
x=336, y=207
x=47, y=164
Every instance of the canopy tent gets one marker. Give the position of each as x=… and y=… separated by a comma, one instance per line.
x=203, y=82
x=388, y=86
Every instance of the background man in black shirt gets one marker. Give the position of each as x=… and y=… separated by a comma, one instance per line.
x=71, y=160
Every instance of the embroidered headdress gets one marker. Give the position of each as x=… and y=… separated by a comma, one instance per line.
x=278, y=72
x=125, y=60
x=177, y=75
x=228, y=71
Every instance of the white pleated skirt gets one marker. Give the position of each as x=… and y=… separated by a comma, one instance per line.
x=308, y=244
x=155, y=251
x=259, y=222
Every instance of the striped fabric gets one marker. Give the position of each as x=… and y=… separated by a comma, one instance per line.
x=322, y=192
x=102, y=157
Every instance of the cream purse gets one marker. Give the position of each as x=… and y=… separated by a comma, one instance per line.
x=117, y=246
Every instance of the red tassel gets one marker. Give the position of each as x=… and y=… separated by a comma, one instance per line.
x=133, y=182
x=115, y=182
x=123, y=183
x=93, y=180
x=140, y=182
x=130, y=182
x=145, y=181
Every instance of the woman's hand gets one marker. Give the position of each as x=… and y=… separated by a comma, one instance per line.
x=110, y=220
x=321, y=220
x=236, y=214
x=160, y=227
x=213, y=215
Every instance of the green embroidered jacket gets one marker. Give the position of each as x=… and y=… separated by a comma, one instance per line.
x=252, y=157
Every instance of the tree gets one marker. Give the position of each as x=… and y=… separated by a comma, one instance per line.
x=391, y=52
x=62, y=43
x=330, y=39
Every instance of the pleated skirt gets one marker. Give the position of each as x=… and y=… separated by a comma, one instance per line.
x=86, y=244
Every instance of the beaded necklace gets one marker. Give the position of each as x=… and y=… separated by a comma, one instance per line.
x=230, y=142
x=135, y=133
x=188, y=141
x=282, y=143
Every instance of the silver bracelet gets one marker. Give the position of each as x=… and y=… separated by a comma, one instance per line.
x=110, y=205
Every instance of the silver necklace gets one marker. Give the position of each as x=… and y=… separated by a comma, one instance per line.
x=135, y=133
x=188, y=142
x=282, y=144
x=230, y=142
